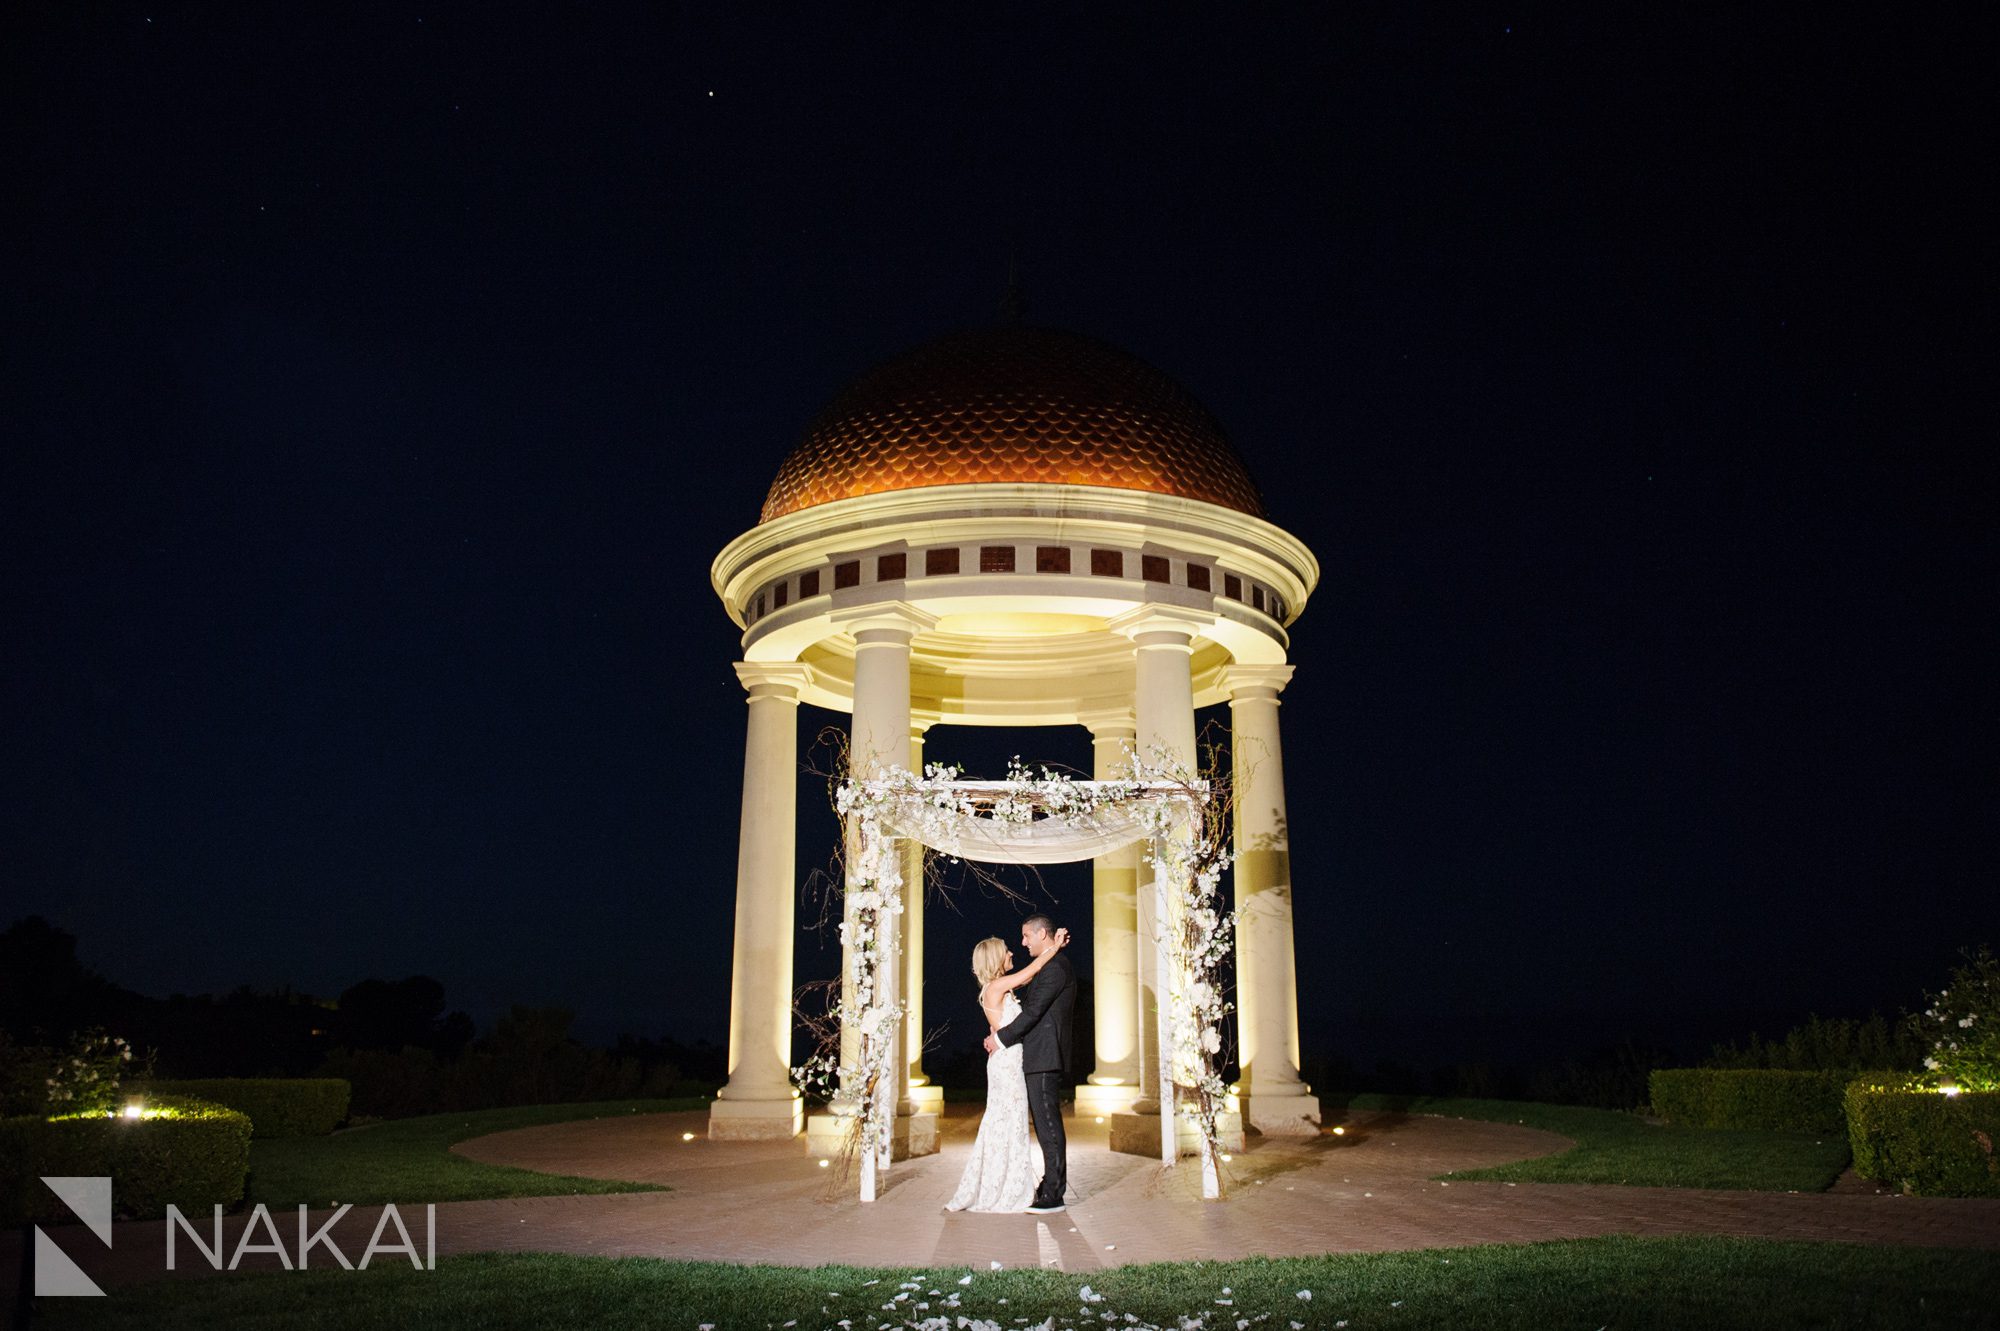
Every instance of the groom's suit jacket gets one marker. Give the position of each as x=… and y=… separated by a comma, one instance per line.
x=1042, y=1029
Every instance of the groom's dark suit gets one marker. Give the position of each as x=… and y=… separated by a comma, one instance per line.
x=1042, y=1031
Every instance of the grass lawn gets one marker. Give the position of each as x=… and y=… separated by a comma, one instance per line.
x=1621, y=1148
x=409, y=1159
x=1587, y=1283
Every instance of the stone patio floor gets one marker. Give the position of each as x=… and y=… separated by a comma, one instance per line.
x=1370, y=1190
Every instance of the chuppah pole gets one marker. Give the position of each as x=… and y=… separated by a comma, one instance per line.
x=1163, y=1011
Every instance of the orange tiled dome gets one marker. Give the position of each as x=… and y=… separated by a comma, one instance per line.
x=1013, y=404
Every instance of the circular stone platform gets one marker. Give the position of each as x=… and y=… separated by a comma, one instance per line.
x=1370, y=1190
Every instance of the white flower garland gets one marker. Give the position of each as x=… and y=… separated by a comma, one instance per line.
x=1187, y=853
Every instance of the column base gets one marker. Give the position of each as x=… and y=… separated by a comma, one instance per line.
x=1139, y=1134
x=1104, y=1101
x=828, y=1135
x=756, y=1120
x=1283, y=1115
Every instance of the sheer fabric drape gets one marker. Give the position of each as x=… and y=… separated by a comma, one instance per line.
x=1060, y=840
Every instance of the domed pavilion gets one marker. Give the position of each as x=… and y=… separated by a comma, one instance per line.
x=1016, y=526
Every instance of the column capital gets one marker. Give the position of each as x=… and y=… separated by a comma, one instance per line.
x=783, y=680
x=1109, y=722
x=1256, y=683
x=1162, y=625
x=893, y=622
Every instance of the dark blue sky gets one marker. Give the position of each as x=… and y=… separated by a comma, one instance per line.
x=380, y=383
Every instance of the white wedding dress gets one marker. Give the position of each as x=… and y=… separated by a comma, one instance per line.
x=1006, y=1165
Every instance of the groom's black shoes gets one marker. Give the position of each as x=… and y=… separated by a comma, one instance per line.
x=1044, y=1208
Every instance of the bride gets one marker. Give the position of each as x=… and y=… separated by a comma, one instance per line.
x=1005, y=1167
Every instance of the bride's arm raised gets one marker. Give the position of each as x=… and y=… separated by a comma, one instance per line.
x=1015, y=979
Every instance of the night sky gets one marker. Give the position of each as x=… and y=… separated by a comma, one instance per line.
x=380, y=383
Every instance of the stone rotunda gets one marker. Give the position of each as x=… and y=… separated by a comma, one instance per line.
x=1016, y=526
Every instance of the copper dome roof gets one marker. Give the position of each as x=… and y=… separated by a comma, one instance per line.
x=1013, y=404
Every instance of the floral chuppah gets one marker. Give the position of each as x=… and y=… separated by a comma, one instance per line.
x=1045, y=818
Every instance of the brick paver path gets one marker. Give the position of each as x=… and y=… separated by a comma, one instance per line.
x=1368, y=1191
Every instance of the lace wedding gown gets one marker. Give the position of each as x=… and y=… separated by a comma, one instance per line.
x=1006, y=1165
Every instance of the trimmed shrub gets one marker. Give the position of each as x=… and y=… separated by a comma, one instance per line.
x=277, y=1106
x=188, y=1152
x=1763, y=1098
x=1926, y=1143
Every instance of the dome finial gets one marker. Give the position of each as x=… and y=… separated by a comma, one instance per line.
x=1013, y=305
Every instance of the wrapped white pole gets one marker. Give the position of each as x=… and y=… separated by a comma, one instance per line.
x=1163, y=1007
x=888, y=1038
x=867, y=1158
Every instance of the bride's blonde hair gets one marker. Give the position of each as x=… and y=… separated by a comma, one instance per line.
x=989, y=960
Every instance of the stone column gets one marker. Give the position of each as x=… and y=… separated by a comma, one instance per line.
x=759, y=1100
x=1114, y=940
x=1163, y=714
x=1279, y=1102
x=880, y=737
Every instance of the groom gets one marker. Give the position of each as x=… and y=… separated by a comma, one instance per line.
x=1042, y=1031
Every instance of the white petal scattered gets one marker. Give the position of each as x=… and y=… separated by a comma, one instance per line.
x=1306, y=1294
x=1398, y=1303
x=1111, y=1247
x=995, y=1266
x=965, y=1279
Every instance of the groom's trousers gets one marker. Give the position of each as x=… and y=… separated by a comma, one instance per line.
x=1045, y=1107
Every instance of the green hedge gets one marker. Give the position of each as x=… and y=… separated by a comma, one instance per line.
x=1763, y=1098
x=1929, y=1144
x=188, y=1152
x=277, y=1106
